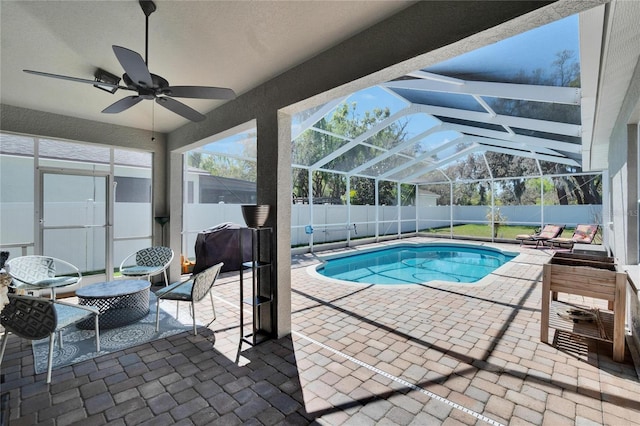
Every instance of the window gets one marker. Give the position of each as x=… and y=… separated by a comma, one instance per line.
x=132, y=189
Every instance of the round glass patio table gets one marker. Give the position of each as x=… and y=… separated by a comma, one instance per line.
x=120, y=302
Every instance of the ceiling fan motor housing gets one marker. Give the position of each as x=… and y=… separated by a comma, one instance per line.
x=159, y=87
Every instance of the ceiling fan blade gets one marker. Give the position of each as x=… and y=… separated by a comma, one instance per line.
x=134, y=66
x=199, y=92
x=122, y=104
x=76, y=79
x=180, y=109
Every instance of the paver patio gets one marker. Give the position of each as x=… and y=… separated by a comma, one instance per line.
x=358, y=354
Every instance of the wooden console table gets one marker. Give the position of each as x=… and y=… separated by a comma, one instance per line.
x=588, y=276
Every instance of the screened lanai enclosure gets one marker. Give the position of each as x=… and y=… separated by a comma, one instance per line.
x=485, y=145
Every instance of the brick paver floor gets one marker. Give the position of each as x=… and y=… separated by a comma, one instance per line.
x=358, y=354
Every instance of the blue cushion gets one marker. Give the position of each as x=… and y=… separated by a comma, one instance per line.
x=55, y=282
x=68, y=315
x=139, y=270
x=176, y=291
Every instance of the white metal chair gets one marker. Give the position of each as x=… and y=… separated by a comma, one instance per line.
x=147, y=262
x=42, y=272
x=192, y=290
x=35, y=318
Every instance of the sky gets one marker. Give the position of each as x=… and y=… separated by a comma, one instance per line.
x=533, y=49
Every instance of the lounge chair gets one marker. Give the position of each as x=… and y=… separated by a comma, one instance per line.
x=547, y=233
x=583, y=234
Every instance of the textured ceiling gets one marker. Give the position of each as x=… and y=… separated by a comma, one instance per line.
x=236, y=44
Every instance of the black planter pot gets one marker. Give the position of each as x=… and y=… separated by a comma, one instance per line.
x=255, y=215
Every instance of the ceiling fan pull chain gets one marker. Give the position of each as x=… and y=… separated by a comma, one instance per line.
x=153, y=122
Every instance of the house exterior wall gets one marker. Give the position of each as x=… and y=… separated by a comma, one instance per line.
x=624, y=201
x=427, y=199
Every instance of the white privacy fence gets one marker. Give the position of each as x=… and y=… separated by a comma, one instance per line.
x=321, y=224
x=331, y=223
x=568, y=215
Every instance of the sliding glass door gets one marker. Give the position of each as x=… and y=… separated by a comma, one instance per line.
x=74, y=218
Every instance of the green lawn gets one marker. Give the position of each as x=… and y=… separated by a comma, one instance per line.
x=484, y=231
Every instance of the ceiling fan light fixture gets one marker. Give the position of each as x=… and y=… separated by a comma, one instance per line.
x=102, y=76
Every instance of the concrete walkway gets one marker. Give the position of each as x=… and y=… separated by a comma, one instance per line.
x=358, y=354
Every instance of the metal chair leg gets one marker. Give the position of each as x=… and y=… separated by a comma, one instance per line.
x=3, y=345
x=193, y=316
x=212, y=307
x=97, y=333
x=157, y=314
x=52, y=339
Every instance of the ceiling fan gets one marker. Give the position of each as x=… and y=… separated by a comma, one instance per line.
x=148, y=86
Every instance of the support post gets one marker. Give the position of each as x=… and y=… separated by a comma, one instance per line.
x=273, y=172
x=348, y=201
x=377, y=207
x=399, y=203
x=310, y=200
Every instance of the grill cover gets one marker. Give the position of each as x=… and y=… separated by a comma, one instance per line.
x=221, y=243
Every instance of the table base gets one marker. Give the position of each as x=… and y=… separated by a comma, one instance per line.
x=118, y=310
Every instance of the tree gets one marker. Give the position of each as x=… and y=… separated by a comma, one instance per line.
x=220, y=165
x=505, y=165
x=574, y=189
x=313, y=146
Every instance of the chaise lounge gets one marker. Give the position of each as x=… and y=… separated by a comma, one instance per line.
x=583, y=234
x=547, y=233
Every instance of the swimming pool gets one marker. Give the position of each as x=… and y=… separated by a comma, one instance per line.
x=415, y=264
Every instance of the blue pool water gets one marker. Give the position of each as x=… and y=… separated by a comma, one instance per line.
x=409, y=264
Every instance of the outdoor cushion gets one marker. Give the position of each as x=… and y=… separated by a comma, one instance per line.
x=55, y=282
x=583, y=234
x=179, y=290
x=548, y=232
x=140, y=270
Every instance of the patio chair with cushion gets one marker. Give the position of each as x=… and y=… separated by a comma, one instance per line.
x=35, y=318
x=42, y=272
x=547, y=233
x=149, y=261
x=583, y=234
x=192, y=290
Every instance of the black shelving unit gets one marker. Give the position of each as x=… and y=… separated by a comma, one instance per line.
x=260, y=269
